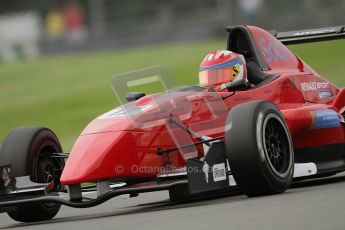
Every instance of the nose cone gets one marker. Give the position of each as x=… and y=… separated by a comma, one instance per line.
x=89, y=158
x=118, y=154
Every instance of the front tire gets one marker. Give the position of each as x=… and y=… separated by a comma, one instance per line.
x=28, y=150
x=259, y=148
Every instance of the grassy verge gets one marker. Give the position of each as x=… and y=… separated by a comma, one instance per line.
x=66, y=92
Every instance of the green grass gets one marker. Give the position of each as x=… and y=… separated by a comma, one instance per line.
x=64, y=93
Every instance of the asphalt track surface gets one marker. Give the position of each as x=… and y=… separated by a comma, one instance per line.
x=313, y=204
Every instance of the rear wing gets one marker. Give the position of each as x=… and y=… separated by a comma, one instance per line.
x=310, y=35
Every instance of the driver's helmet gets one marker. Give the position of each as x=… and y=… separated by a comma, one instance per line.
x=222, y=66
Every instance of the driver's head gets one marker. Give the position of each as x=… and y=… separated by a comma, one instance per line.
x=222, y=66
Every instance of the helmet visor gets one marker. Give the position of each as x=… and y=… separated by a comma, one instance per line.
x=216, y=76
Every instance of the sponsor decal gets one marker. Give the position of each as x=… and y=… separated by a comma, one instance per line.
x=325, y=93
x=7, y=182
x=273, y=50
x=314, y=32
x=326, y=118
x=219, y=172
x=304, y=169
x=206, y=169
x=309, y=86
x=242, y=99
x=232, y=181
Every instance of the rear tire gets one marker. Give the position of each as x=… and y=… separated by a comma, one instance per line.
x=28, y=151
x=259, y=148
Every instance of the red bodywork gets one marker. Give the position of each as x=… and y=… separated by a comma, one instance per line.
x=125, y=147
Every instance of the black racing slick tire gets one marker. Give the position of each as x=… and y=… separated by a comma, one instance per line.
x=28, y=150
x=259, y=148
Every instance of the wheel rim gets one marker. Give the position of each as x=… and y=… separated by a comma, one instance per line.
x=276, y=144
x=46, y=168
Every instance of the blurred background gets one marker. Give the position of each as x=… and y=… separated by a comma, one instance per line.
x=57, y=57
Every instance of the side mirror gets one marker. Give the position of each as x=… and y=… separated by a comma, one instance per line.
x=133, y=96
x=236, y=85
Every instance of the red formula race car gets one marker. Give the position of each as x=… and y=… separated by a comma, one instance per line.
x=287, y=123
